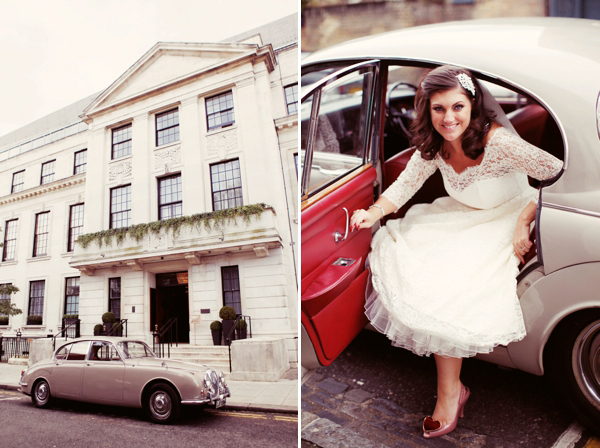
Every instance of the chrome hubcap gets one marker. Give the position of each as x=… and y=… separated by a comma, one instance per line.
x=41, y=392
x=586, y=362
x=160, y=404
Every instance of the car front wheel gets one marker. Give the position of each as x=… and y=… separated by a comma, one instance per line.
x=41, y=394
x=162, y=404
x=574, y=366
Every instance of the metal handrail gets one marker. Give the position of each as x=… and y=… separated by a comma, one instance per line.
x=238, y=318
x=64, y=330
x=158, y=338
x=119, y=326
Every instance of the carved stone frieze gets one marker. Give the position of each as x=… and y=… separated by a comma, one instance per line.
x=219, y=145
x=119, y=169
x=167, y=157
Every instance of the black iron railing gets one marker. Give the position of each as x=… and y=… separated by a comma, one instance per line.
x=241, y=320
x=14, y=347
x=69, y=329
x=117, y=328
x=165, y=337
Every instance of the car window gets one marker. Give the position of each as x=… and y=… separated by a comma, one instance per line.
x=341, y=127
x=135, y=349
x=63, y=352
x=78, y=351
x=104, y=351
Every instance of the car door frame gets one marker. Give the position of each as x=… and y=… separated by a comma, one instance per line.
x=350, y=290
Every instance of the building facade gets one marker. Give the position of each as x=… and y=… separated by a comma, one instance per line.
x=168, y=195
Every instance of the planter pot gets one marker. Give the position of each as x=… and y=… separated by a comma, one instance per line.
x=72, y=331
x=241, y=333
x=217, y=335
x=97, y=333
x=33, y=322
x=109, y=327
x=228, y=325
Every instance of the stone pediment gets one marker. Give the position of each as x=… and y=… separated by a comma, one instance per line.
x=167, y=64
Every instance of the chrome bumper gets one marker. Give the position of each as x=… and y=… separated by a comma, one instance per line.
x=210, y=401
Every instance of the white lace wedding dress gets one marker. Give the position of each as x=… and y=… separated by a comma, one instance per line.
x=444, y=276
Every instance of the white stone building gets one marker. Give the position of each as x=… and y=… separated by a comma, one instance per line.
x=190, y=131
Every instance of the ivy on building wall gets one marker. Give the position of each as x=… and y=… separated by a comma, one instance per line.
x=209, y=221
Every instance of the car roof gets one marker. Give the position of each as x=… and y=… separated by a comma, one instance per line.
x=522, y=50
x=113, y=339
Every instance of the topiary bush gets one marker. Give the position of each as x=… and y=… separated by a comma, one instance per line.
x=216, y=326
x=34, y=320
x=109, y=318
x=227, y=313
x=70, y=316
x=98, y=329
x=240, y=324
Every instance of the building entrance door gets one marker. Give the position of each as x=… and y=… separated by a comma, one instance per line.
x=170, y=300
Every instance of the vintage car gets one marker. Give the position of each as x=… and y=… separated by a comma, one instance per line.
x=357, y=105
x=123, y=372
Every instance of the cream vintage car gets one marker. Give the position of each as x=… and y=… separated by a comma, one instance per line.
x=123, y=372
x=357, y=104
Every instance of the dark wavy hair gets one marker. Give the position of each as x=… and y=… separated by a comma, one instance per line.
x=425, y=137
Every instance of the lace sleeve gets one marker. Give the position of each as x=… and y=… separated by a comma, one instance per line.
x=410, y=180
x=526, y=158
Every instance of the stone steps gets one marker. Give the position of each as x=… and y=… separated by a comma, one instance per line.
x=210, y=355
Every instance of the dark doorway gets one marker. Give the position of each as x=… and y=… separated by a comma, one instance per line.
x=170, y=300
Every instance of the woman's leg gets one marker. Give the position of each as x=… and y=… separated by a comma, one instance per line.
x=448, y=388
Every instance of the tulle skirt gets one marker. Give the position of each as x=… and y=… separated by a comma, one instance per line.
x=443, y=279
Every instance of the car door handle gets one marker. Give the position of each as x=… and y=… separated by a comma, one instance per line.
x=337, y=236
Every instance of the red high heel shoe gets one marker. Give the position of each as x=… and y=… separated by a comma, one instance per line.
x=433, y=428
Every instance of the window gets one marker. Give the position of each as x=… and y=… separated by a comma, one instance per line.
x=104, y=351
x=40, y=237
x=72, y=295
x=18, y=181
x=226, y=183
x=79, y=351
x=10, y=240
x=75, y=225
x=114, y=296
x=5, y=298
x=296, y=164
x=167, y=127
x=169, y=197
x=121, y=141
x=80, y=163
x=219, y=111
x=291, y=99
x=36, y=298
x=120, y=207
x=47, y=172
x=231, y=288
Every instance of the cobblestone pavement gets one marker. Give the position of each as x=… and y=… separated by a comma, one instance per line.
x=375, y=395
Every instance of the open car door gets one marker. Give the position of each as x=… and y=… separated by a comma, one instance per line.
x=338, y=177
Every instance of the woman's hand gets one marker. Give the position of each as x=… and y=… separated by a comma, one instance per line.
x=363, y=219
x=521, y=242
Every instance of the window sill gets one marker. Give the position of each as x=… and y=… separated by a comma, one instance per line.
x=40, y=258
x=34, y=327
x=166, y=145
x=223, y=129
x=5, y=328
x=9, y=263
x=67, y=254
x=120, y=159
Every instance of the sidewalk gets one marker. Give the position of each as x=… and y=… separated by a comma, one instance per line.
x=280, y=396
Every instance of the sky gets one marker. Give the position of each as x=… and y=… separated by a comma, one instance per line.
x=56, y=52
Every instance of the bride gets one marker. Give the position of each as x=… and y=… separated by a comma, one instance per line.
x=444, y=276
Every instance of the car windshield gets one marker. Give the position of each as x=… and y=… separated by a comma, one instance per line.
x=135, y=349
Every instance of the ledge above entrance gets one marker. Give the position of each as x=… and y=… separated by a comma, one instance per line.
x=189, y=244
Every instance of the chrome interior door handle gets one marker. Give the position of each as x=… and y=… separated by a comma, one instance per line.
x=337, y=236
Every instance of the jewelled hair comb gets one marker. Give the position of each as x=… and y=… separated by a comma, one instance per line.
x=466, y=83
